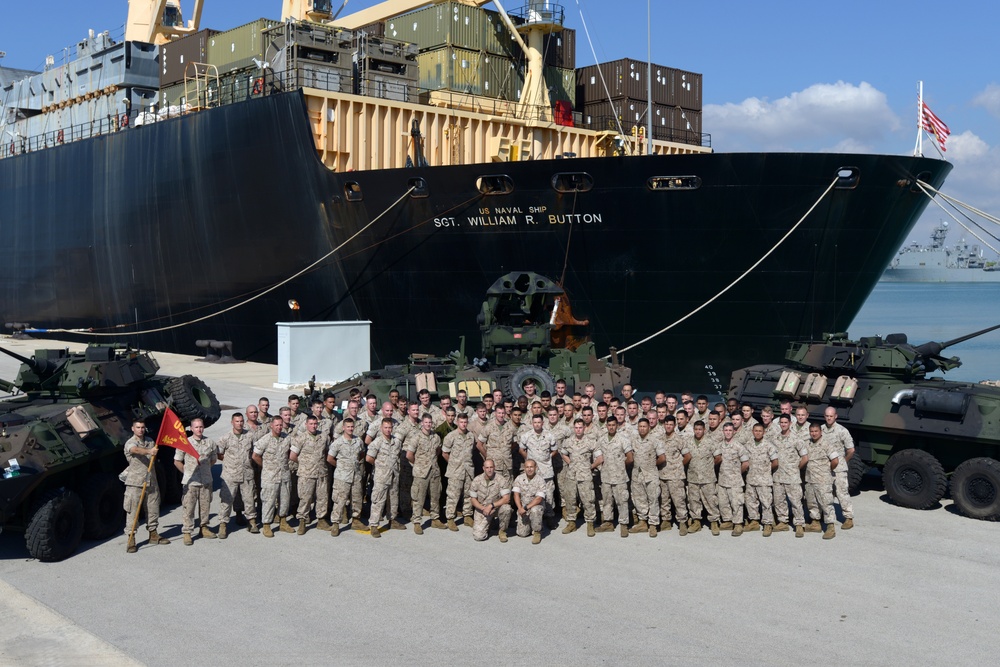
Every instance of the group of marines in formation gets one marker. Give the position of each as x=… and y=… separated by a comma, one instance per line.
x=668, y=459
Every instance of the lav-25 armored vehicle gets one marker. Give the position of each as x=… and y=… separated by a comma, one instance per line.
x=916, y=429
x=61, y=439
x=528, y=333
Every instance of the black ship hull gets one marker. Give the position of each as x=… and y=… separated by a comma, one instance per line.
x=162, y=224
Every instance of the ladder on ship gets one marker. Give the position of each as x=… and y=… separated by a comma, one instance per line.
x=199, y=91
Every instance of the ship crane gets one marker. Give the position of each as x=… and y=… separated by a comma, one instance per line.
x=159, y=21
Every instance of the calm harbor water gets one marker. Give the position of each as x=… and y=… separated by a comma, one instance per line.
x=939, y=312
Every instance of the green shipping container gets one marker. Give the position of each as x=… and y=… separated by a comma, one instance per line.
x=469, y=72
x=236, y=49
x=562, y=84
x=446, y=24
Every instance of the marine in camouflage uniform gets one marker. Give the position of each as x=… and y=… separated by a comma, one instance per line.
x=491, y=501
x=792, y=453
x=529, y=501
x=271, y=454
x=457, y=451
x=581, y=455
x=383, y=453
x=497, y=438
x=309, y=449
x=735, y=459
x=839, y=437
x=238, y=480
x=703, y=493
x=760, y=492
x=649, y=454
x=409, y=426
x=823, y=460
x=672, y=477
x=138, y=449
x=538, y=445
x=559, y=431
x=617, y=450
x=422, y=449
x=197, y=480
x=345, y=455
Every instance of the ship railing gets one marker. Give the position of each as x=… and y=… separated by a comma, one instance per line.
x=540, y=12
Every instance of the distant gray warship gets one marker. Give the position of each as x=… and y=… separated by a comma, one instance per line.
x=938, y=263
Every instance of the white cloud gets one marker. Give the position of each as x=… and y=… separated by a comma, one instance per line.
x=966, y=147
x=989, y=99
x=842, y=115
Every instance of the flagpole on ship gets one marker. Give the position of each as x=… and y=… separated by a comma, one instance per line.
x=918, y=150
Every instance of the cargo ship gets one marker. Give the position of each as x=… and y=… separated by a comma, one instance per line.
x=186, y=184
x=938, y=263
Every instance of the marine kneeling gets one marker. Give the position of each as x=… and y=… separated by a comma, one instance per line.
x=529, y=498
x=490, y=502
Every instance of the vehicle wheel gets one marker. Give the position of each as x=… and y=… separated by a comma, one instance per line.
x=856, y=469
x=975, y=488
x=542, y=378
x=914, y=478
x=102, y=497
x=193, y=399
x=56, y=526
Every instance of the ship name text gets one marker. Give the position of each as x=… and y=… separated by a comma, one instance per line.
x=516, y=216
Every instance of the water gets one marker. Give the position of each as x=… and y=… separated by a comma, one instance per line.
x=939, y=312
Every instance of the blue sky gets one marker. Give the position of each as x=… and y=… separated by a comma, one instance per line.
x=779, y=75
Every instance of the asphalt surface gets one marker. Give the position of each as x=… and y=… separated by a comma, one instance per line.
x=902, y=587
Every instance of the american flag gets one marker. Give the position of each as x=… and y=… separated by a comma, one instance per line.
x=935, y=126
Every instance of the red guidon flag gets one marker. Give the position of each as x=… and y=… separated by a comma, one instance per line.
x=934, y=125
x=172, y=434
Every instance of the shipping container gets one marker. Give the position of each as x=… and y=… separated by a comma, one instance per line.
x=236, y=49
x=687, y=90
x=446, y=24
x=669, y=123
x=560, y=49
x=175, y=55
x=561, y=84
x=627, y=78
x=470, y=72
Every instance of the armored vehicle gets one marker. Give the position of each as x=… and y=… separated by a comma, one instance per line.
x=917, y=430
x=528, y=334
x=62, y=434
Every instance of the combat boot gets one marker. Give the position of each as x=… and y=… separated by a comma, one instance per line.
x=590, y=529
x=640, y=527
x=375, y=531
x=781, y=528
x=737, y=530
x=468, y=522
x=187, y=540
x=753, y=525
x=254, y=528
x=418, y=528
x=767, y=530
x=283, y=525
x=799, y=531
x=624, y=530
x=715, y=528
x=536, y=537
x=207, y=533
x=131, y=548
x=323, y=524
x=436, y=523
x=830, y=532
x=267, y=530
x=357, y=525
x=302, y=527
x=452, y=526
x=223, y=531
x=726, y=525
x=502, y=536
x=813, y=527
x=652, y=530
x=666, y=525
x=335, y=529
x=694, y=525
x=570, y=527
x=156, y=538
x=396, y=525
x=606, y=527
x=848, y=524
x=682, y=528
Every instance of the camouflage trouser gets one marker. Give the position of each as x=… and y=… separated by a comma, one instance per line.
x=151, y=503
x=582, y=491
x=785, y=494
x=230, y=491
x=646, y=497
x=200, y=496
x=843, y=495
x=819, y=498
x=357, y=493
x=386, y=484
x=672, y=490
x=530, y=521
x=418, y=492
x=550, y=498
x=759, y=499
x=313, y=489
x=563, y=479
x=341, y=496
x=405, y=482
x=458, y=487
x=614, y=495
x=274, y=495
x=731, y=503
x=481, y=523
x=703, y=497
